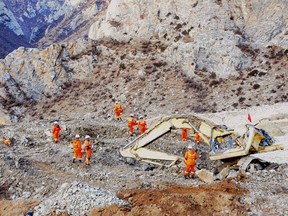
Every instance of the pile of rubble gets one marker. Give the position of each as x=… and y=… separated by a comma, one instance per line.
x=76, y=199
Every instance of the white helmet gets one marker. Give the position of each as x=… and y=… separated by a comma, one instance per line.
x=56, y=123
x=132, y=115
x=77, y=136
x=190, y=147
x=141, y=117
x=116, y=102
x=87, y=137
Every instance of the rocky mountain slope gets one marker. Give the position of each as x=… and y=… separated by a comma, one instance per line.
x=157, y=58
x=41, y=23
x=224, y=64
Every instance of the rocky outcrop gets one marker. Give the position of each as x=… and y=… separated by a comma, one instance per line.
x=29, y=74
x=201, y=36
x=203, y=55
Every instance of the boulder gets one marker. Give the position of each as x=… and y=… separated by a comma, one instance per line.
x=223, y=174
x=205, y=175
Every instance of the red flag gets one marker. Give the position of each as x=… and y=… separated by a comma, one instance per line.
x=249, y=118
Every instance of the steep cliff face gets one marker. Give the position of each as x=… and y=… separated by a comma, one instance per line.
x=157, y=57
x=41, y=23
x=200, y=35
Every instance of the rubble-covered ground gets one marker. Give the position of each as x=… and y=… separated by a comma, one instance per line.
x=37, y=174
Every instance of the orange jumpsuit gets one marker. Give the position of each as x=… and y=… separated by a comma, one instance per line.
x=77, y=149
x=142, y=126
x=55, y=131
x=184, y=134
x=190, y=160
x=118, y=109
x=6, y=141
x=88, y=149
x=197, y=137
x=131, y=124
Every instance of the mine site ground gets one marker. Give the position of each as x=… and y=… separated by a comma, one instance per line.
x=39, y=174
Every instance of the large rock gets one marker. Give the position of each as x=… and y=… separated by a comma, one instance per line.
x=205, y=175
x=213, y=36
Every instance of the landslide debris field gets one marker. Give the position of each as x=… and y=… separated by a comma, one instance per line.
x=38, y=174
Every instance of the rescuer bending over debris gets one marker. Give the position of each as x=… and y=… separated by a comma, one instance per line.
x=6, y=141
x=184, y=133
x=131, y=123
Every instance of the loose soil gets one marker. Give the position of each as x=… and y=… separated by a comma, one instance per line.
x=215, y=199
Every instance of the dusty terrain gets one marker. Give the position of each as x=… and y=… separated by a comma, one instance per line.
x=222, y=67
x=37, y=173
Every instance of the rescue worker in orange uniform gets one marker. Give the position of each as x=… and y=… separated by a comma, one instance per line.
x=184, y=133
x=6, y=141
x=118, y=109
x=88, y=149
x=197, y=138
x=142, y=125
x=55, y=131
x=190, y=160
x=131, y=123
x=77, y=148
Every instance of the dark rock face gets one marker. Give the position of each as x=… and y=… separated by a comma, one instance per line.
x=9, y=41
x=41, y=23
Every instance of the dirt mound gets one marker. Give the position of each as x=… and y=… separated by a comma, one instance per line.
x=214, y=199
x=20, y=207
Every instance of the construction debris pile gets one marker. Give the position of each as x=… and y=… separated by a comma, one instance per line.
x=41, y=172
x=77, y=198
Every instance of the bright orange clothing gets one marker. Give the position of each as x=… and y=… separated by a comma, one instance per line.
x=118, y=109
x=55, y=131
x=197, y=137
x=184, y=134
x=77, y=149
x=190, y=160
x=131, y=123
x=142, y=126
x=6, y=141
x=88, y=149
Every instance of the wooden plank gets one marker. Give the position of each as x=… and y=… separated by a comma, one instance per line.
x=270, y=148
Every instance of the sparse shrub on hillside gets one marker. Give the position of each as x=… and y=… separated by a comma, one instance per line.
x=241, y=99
x=159, y=63
x=239, y=91
x=235, y=105
x=256, y=86
x=191, y=83
x=214, y=83
x=122, y=66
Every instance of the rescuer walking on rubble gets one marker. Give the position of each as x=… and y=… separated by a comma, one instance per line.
x=142, y=125
x=77, y=149
x=184, y=133
x=131, y=123
x=118, y=109
x=197, y=138
x=190, y=160
x=88, y=149
x=55, y=131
